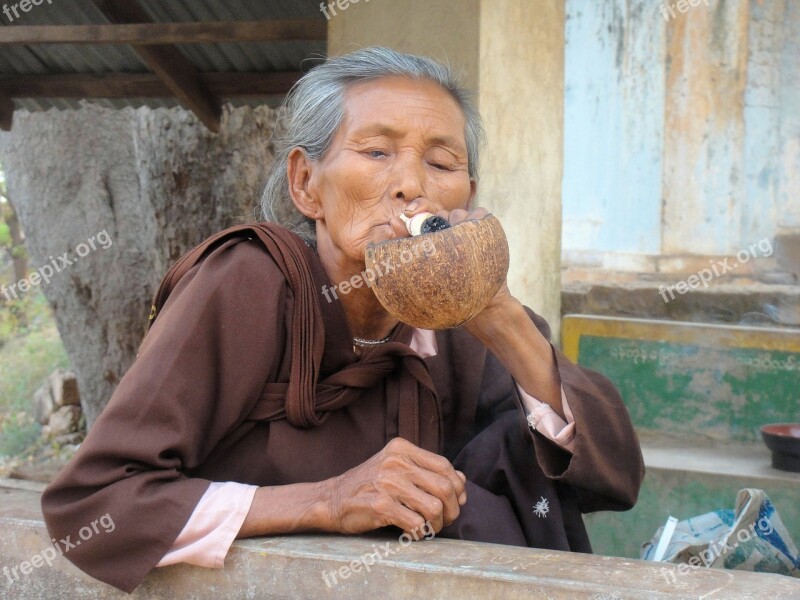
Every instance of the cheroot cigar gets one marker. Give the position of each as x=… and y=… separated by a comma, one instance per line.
x=424, y=223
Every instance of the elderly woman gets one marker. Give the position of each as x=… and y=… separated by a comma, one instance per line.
x=256, y=408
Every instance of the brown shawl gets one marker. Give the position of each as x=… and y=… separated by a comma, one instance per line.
x=305, y=401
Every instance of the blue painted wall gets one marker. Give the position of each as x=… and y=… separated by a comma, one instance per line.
x=681, y=136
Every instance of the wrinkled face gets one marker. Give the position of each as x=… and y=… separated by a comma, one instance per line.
x=401, y=140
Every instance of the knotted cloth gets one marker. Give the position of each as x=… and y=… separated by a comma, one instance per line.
x=304, y=400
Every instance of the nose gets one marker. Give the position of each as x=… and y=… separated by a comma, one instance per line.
x=408, y=180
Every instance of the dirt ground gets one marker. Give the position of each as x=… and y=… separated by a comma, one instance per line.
x=41, y=466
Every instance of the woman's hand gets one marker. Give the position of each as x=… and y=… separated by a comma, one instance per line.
x=504, y=327
x=502, y=304
x=402, y=485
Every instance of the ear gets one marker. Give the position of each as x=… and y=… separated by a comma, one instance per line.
x=473, y=191
x=298, y=170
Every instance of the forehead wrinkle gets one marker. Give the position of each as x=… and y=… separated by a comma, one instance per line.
x=430, y=139
x=427, y=107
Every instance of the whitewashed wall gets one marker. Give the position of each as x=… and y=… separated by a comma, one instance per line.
x=681, y=136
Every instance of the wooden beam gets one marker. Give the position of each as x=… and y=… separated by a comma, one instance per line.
x=174, y=69
x=6, y=112
x=144, y=85
x=180, y=76
x=142, y=34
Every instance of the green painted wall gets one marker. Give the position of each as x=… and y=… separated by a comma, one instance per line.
x=724, y=393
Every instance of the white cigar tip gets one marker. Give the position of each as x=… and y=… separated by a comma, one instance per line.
x=414, y=224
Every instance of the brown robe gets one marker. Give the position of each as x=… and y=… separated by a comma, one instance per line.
x=198, y=406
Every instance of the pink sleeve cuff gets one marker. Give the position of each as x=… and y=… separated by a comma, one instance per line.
x=213, y=526
x=543, y=418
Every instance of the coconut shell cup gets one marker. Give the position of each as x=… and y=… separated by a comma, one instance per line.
x=441, y=279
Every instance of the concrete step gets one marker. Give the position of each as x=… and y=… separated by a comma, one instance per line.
x=303, y=567
x=732, y=304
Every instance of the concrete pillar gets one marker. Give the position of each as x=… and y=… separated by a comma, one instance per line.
x=512, y=53
x=521, y=98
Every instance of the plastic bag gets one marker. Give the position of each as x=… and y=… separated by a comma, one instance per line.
x=751, y=538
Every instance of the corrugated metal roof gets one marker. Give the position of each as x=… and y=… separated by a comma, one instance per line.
x=221, y=58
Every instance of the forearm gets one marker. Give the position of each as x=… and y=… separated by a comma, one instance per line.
x=295, y=508
x=514, y=339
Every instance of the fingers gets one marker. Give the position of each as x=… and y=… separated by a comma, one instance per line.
x=425, y=506
x=394, y=512
x=428, y=461
x=403, y=485
x=458, y=215
x=427, y=495
x=411, y=521
x=442, y=488
x=447, y=507
x=462, y=498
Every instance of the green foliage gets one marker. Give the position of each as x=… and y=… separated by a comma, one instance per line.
x=28, y=356
x=30, y=348
x=5, y=235
x=19, y=317
x=17, y=434
x=7, y=216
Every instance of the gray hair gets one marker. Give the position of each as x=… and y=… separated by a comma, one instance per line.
x=314, y=109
